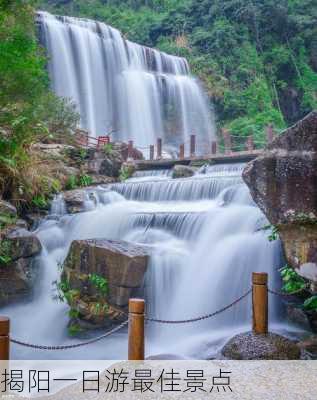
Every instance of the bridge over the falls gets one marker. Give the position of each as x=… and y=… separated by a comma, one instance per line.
x=232, y=148
x=166, y=163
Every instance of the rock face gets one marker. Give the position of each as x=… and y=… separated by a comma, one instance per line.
x=7, y=208
x=23, y=244
x=283, y=182
x=19, y=271
x=250, y=346
x=182, y=171
x=309, y=345
x=74, y=200
x=118, y=266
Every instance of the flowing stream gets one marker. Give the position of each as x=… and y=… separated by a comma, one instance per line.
x=205, y=248
x=138, y=92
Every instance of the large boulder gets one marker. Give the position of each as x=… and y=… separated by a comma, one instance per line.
x=182, y=171
x=111, y=164
x=18, y=266
x=282, y=181
x=118, y=266
x=251, y=346
x=75, y=200
x=23, y=244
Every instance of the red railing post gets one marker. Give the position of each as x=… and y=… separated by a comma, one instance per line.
x=136, y=329
x=260, y=302
x=4, y=338
x=130, y=148
x=269, y=133
x=227, y=140
x=181, y=151
x=250, y=143
x=192, y=145
x=159, y=148
x=214, y=147
x=151, y=152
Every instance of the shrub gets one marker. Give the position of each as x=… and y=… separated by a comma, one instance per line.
x=71, y=182
x=85, y=180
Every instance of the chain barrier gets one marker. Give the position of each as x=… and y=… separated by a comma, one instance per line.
x=184, y=321
x=71, y=346
x=123, y=324
x=282, y=294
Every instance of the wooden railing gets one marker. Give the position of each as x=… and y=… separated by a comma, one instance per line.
x=229, y=144
x=137, y=318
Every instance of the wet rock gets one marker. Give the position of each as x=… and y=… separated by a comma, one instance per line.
x=57, y=162
x=18, y=269
x=74, y=200
x=182, y=171
x=250, y=346
x=297, y=315
x=23, y=244
x=7, y=208
x=119, y=267
x=282, y=182
x=98, y=179
x=123, y=149
x=309, y=345
x=111, y=165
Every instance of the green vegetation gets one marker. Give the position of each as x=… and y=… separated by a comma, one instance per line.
x=273, y=235
x=64, y=292
x=100, y=283
x=29, y=112
x=311, y=303
x=125, y=173
x=292, y=282
x=82, y=180
x=108, y=149
x=257, y=58
x=5, y=252
x=6, y=220
x=72, y=313
x=74, y=329
x=71, y=182
x=40, y=201
x=85, y=180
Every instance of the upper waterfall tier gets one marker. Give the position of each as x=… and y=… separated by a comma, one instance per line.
x=138, y=92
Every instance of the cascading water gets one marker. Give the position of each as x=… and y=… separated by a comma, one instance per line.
x=203, y=252
x=139, y=92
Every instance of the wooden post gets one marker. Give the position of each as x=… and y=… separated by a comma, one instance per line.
x=130, y=148
x=159, y=148
x=269, y=133
x=214, y=147
x=250, y=143
x=136, y=329
x=227, y=140
x=181, y=151
x=151, y=152
x=4, y=338
x=260, y=302
x=192, y=145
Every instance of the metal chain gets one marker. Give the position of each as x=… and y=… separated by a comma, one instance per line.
x=184, y=321
x=117, y=328
x=282, y=294
x=71, y=346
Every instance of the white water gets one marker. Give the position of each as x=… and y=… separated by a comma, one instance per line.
x=120, y=85
x=204, y=252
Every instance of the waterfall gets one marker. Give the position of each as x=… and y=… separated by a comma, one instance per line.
x=138, y=92
x=204, y=250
